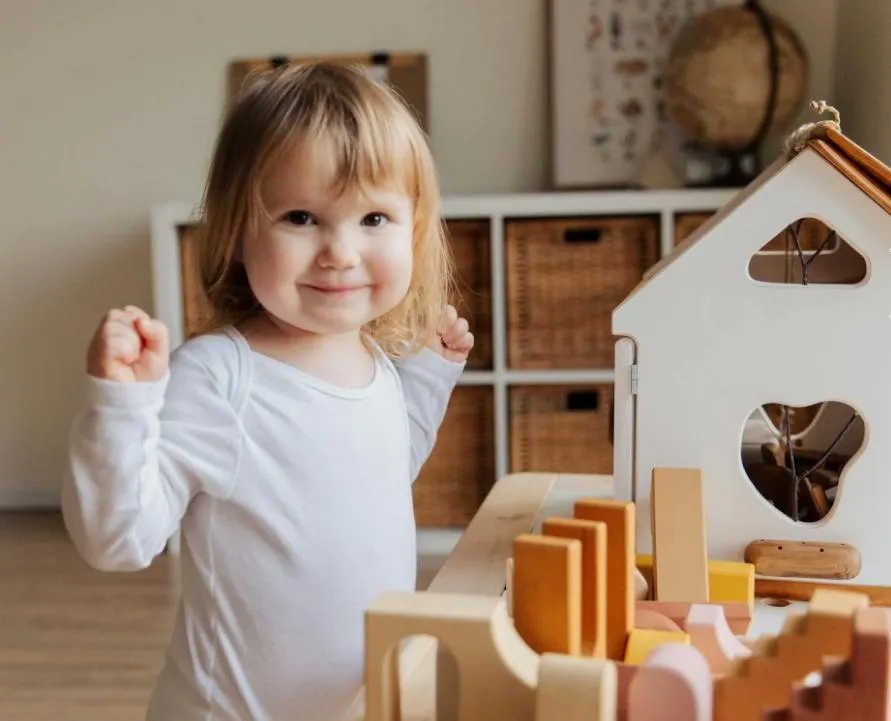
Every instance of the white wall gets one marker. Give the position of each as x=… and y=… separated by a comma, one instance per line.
x=110, y=107
x=863, y=73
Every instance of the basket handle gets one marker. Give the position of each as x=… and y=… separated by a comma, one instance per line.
x=582, y=235
x=582, y=400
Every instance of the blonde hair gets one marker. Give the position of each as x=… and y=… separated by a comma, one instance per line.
x=377, y=141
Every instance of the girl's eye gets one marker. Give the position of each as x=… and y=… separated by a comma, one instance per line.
x=375, y=220
x=298, y=217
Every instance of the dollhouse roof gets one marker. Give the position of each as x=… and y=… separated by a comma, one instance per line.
x=845, y=156
x=870, y=174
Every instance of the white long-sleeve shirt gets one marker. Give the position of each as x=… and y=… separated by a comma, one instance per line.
x=295, y=503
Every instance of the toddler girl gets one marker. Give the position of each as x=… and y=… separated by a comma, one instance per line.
x=283, y=440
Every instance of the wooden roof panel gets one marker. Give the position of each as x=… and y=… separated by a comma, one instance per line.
x=866, y=171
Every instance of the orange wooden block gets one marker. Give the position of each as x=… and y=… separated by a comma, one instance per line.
x=546, y=593
x=680, y=560
x=592, y=536
x=619, y=519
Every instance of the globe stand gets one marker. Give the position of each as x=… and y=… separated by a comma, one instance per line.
x=733, y=169
x=710, y=167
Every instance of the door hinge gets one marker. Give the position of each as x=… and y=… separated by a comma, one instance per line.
x=634, y=379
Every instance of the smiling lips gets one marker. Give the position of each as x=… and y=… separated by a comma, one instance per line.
x=335, y=289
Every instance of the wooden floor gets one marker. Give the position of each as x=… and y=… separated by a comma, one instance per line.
x=76, y=644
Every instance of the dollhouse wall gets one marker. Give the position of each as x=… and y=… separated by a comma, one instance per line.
x=713, y=345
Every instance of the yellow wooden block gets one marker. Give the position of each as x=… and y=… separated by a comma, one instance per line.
x=731, y=581
x=727, y=580
x=642, y=641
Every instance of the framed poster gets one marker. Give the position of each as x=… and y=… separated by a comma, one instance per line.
x=606, y=61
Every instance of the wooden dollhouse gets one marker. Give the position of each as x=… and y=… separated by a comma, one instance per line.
x=719, y=332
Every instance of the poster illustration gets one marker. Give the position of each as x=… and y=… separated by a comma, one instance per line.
x=606, y=67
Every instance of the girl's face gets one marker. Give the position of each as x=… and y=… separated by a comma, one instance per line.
x=323, y=262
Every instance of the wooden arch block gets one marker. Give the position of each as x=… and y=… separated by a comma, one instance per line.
x=674, y=683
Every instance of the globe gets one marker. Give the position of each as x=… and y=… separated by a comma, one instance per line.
x=718, y=78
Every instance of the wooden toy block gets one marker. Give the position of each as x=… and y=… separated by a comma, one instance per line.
x=546, y=593
x=795, y=590
x=575, y=689
x=619, y=519
x=763, y=680
x=709, y=633
x=804, y=559
x=727, y=580
x=641, y=643
x=855, y=688
x=674, y=684
x=655, y=621
x=508, y=586
x=641, y=586
x=737, y=613
x=680, y=570
x=625, y=673
x=731, y=581
x=592, y=536
x=498, y=672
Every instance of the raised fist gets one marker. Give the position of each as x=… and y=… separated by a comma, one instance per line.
x=129, y=346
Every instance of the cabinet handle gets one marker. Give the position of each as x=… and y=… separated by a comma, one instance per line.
x=582, y=235
x=582, y=400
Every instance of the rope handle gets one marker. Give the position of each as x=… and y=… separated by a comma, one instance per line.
x=799, y=138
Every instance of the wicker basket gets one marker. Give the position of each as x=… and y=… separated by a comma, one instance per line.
x=461, y=469
x=686, y=223
x=564, y=279
x=561, y=429
x=471, y=248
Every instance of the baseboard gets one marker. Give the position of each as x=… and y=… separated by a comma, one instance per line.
x=17, y=498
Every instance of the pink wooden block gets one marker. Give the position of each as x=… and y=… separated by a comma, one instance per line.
x=710, y=634
x=674, y=684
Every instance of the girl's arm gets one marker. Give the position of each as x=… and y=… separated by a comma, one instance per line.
x=428, y=380
x=140, y=451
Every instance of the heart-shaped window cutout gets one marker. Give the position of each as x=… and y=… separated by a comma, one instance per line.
x=795, y=456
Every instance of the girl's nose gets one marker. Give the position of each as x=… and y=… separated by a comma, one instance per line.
x=338, y=252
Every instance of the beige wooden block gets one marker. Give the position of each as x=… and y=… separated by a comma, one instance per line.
x=497, y=673
x=619, y=519
x=546, y=594
x=575, y=689
x=592, y=536
x=680, y=559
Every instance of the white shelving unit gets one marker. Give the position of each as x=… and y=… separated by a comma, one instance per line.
x=495, y=209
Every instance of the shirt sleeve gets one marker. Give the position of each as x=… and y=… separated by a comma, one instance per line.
x=428, y=380
x=138, y=453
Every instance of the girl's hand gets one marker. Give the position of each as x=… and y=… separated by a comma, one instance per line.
x=129, y=346
x=454, y=340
